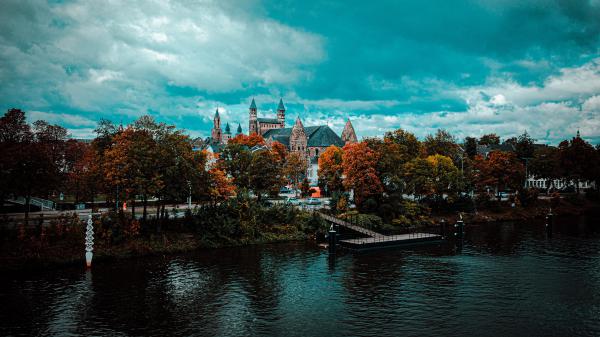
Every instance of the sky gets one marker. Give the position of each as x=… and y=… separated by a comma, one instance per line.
x=470, y=67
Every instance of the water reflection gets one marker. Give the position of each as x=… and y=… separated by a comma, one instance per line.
x=509, y=279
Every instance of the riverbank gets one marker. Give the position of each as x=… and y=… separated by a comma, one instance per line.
x=69, y=253
x=539, y=210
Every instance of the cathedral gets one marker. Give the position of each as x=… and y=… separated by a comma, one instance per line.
x=311, y=140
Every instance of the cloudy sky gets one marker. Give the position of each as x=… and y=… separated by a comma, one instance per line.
x=471, y=67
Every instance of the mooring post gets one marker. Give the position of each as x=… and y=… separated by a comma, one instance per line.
x=549, y=222
x=459, y=229
x=443, y=228
x=332, y=239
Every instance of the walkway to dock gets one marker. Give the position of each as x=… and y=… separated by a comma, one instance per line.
x=377, y=240
x=348, y=225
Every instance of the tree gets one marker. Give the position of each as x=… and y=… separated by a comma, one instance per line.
x=305, y=189
x=471, y=146
x=489, y=139
x=235, y=160
x=410, y=145
x=444, y=176
x=418, y=175
x=331, y=169
x=130, y=166
x=359, y=166
x=500, y=170
x=280, y=150
x=443, y=143
x=295, y=168
x=221, y=187
x=250, y=140
x=546, y=165
x=576, y=159
x=264, y=173
x=15, y=135
x=524, y=146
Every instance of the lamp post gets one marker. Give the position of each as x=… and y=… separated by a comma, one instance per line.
x=189, y=195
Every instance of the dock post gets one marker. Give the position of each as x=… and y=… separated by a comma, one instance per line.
x=332, y=240
x=459, y=230
x=443, y=228
x=549, y=223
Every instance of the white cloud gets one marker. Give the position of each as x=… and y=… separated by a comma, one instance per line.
x=118, y=56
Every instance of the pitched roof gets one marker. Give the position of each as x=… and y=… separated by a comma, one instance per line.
x=268, y=120
x=253, y=104
x=227, y=128
x=239, y=129
x=321, y=136
x=280, y=106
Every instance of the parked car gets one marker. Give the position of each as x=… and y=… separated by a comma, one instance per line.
x=292, y=201
x=313, y=201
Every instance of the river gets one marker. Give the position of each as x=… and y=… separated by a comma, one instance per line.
x=508, y=280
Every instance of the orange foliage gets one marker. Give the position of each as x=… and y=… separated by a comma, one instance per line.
x=221, y=187
x=359, y=163
x=330, y=168
x=279, y=149
x=250, y=141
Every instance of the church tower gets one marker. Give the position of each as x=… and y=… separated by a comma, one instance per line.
x=216, y=133
x=253, y=125
x=239, y=130
x=348, y=135
x=281, y=113
x=298, y=140
x=226, y=134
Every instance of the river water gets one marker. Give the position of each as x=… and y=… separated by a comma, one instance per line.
x=508, y=280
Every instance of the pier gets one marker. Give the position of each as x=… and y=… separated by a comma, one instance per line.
x=376, y=240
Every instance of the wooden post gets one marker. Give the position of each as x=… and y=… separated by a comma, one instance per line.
x=332, y=240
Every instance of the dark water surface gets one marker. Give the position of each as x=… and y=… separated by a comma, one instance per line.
x=508, y=280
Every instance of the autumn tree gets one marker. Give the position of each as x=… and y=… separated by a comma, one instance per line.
x=359, y=166
x=280, y=150
x=294, y=168
x=248, y=140
x=130, y=166
x=501, y=170
x=331, y=169
x=220, y=186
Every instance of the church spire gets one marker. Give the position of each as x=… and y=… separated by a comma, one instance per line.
x=348, y=135
x=578, y=135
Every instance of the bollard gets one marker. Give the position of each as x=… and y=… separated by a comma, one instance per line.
x=549, y=222
x=332, y=240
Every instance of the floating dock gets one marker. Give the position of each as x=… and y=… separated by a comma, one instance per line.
x=376, y=240
x=388, y=241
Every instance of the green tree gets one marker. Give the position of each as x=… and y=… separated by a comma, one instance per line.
x=470, y=146
x=576, y=159
x=489, y=139
x=264, y=173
